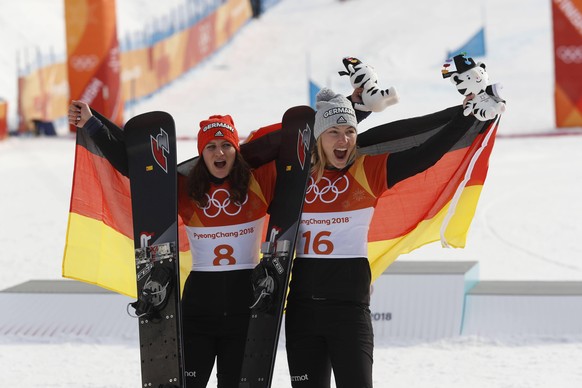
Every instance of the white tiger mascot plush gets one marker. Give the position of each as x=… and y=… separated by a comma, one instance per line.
x=472, y=78
x=363, y=76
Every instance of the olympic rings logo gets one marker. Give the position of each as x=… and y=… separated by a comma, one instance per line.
x=570, y=54
x=220, y=202
x=84, y=62
x=329, y=193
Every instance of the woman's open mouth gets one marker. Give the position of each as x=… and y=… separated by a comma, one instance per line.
x=340, y=153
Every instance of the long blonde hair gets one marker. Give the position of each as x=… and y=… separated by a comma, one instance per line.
x=319, y=160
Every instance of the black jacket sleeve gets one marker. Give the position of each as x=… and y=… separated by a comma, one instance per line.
x=262, y=150
x=407, y=163
x=109, y=139
x=411, y=161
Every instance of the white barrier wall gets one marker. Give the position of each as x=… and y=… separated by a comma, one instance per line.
x=497, y=308
x=411, y=300
x=421, y=300
x=63, y=308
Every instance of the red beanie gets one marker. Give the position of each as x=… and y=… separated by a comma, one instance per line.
x=217, y=127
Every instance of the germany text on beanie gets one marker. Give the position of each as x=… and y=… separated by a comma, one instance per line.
x=219, y=128
x=332, y=110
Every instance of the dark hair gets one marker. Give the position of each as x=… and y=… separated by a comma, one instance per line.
x=239, y=177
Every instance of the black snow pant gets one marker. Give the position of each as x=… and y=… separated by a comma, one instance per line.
x=325, y=335
x=215, y=319
x=216, y=337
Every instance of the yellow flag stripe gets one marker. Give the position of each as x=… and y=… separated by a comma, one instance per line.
x=383, y=253
x=98, y=254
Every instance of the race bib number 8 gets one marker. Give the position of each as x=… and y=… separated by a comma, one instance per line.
x=231, y=247
x=223, y=255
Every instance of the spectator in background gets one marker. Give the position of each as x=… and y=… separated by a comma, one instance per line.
x=256, y=6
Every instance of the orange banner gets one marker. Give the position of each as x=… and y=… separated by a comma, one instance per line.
x=567, y=20
x=229, y=18
x=148, y=69
x=3, y=119
x=107, y=79
x=93, y=57
x=42, y=95
x=200, y=41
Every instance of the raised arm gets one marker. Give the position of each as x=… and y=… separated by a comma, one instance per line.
x=407, y=163
x=108, y=137
x=417, y=143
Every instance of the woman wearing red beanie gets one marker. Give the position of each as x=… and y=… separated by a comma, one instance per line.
x=223, y=204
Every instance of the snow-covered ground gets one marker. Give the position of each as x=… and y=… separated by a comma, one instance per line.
x=526, y=225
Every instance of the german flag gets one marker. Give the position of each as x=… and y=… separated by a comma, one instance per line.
x=99, y=245
x=438, y=204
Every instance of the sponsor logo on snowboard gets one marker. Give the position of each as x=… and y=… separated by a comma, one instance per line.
x=303, y=141
x=160, y=149
x=144, y=239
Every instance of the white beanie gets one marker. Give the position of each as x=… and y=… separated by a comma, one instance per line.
x=332, y=109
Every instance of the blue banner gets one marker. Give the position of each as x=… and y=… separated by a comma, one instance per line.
x=313, y=90
x=474, y=47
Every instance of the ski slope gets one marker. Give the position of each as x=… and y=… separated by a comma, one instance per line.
x=526, y=224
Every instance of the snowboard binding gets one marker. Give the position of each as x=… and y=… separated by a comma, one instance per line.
x=265, y=277
x=153, y=296
x=264, y=286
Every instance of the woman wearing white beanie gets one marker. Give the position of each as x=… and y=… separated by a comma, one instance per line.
x=328, y=324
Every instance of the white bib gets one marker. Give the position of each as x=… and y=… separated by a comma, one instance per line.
x=225, y=248
x=334, y=235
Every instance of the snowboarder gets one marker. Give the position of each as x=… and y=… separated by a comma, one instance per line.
x=328, y=323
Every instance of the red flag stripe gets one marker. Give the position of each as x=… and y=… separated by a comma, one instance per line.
x=101, y=192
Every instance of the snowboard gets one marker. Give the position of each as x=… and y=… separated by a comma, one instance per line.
x=150, y=140
x=271, y=277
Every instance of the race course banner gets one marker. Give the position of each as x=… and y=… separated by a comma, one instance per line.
x=93, y=57
x=567, y=21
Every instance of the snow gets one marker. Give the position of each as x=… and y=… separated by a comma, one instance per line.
x=525, y=227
